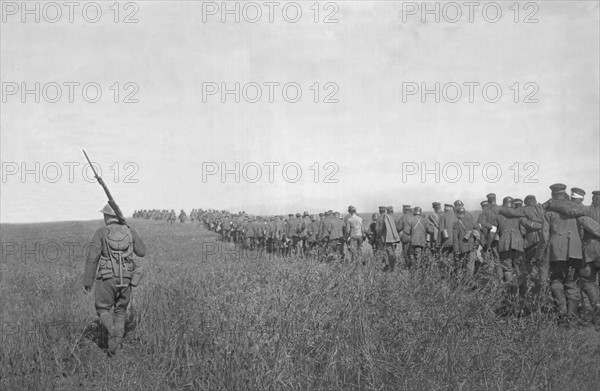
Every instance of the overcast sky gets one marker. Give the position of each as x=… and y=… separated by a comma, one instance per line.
x=373, y=138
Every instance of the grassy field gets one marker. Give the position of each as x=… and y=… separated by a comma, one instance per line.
x=209, y=318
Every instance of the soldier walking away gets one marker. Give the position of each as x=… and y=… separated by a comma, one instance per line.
x=110, y=265
x=387, y=239
x=433, y=228
x=182, y=216
x=510, y=245
x=172, y=217
x=589, y=218
x=562, y=245
x=418, y=239
x=372, y=232
x=464, y=241
x=446, y=225
x=355, y=234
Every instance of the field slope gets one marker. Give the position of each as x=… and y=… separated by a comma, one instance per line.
x=207, y=318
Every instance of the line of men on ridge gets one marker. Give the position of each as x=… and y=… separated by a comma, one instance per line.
x=553, y=245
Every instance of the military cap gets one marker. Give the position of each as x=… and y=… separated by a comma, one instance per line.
x=460, y=211
x=577, y=193
x=484, y=203
x=558, y=188
x=329, y=211
x=390, y=209
x=108, y=210
x=291, y=215
x=406, y=207
x=458, y=203
x=448, y=206
x=336, y=213
x=351, y=209
x=382, y=209
x=417, y=210
x=305, y=213
x=596, y=192
x=491, y=195
x=298, y=215
x=518, y=201
x=530, y=200
x=436, y=204
x=321, y=214
x=313, y=217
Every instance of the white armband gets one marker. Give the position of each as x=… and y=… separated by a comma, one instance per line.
x=493, y=230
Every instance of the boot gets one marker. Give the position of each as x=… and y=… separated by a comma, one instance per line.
x=119, y=330
x=572, y=306
x=107, y=321
x=559, y=299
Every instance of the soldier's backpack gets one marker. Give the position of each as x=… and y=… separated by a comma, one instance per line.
x=119, y=246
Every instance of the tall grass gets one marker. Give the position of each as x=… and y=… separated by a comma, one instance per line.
x=239, y=321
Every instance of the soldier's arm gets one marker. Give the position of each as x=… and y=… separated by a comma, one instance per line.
x=139, y=247
x=93, y=256
x=545, y=235
x=530, y=225
x=590, y=225
x=570, y=208
x=511, y=212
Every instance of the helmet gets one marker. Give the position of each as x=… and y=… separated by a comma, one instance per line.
x=508, y=202
x=108, y=210
x=460, y=211
x=417, y=211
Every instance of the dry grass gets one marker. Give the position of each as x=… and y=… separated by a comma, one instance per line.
x=237, y=321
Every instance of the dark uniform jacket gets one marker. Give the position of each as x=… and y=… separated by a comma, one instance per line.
x=98, y=249
x=509, y=229
x=312, y=231
x=463, y=239
x=416, y=231
x=402, y=224
x=447, y=221
x=560, y=237
x=335, y=228
x=588, y=218
x=532, y=217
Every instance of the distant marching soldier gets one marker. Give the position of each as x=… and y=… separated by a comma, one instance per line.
x=387, y=238
x=562, y=245
x=372, y=232
x=510, y=245
x=109, y=263
x=402, y=223
x=172, y=217
x=335, y=237
x=487, y=222
x=532, y=217
x=182, y=216
x=446, y=225
x=465, y=234
x=418, y=239
x=312, y=231
x=303, y=232
x=355, y=234
x=588, y=217
x=433, y=227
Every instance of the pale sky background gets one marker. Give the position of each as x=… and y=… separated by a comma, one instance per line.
x=369, y=53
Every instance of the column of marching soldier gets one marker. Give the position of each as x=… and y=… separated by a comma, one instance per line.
x=532, y=247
